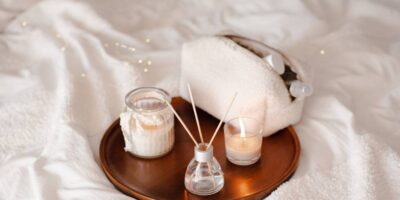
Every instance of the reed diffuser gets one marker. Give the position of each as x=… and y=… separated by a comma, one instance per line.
x=203, y=175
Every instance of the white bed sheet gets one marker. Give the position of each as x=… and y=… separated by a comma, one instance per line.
x=66, y=65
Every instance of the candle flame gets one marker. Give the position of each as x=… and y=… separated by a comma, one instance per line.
x=242, y=128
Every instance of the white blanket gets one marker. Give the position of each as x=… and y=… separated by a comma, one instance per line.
x=65, y=67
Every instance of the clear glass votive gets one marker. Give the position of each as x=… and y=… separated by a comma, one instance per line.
x=243, y=140
x=147, y=123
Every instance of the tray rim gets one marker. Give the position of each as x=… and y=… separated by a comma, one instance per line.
x=127, y=190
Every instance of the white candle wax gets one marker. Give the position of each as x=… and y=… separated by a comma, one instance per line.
x=148, y=137
x=243, y=150
x=152, y=140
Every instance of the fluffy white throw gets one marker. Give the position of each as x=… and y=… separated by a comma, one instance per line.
x=56, y=103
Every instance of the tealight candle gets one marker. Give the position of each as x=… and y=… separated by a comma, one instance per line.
x=147, y=123
x=243, y=140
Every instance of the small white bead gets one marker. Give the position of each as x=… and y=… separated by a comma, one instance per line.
x=117, y=44
x=83, y=75
x=140, y=61
x=149, y=62
x=322, y=52
x=148, y=40
x=145, y=70
x=24, y=23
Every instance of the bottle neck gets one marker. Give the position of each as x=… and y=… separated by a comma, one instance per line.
x=202, y=153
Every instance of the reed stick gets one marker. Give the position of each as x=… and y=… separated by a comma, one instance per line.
x=222, y=120
x=195, y=113
x=183, y=124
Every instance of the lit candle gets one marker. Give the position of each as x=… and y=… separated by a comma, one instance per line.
x=243, y=146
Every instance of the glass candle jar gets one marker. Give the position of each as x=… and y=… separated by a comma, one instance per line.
x=147, y=123
x=243, y=140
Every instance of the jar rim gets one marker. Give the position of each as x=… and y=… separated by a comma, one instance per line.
x=164, y=94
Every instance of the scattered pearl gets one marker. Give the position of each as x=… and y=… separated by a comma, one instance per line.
x=145, y=70
x=149, y=62
x=132, y=49
x=117, y=44
x=123, y=46
x=83, y=75
x=24, y=23
x=322, y=52
x=105, y=45
x=148, y=40
x=63, y=48
x=140, y=61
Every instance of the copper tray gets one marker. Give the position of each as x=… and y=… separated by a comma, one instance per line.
x=162, y=178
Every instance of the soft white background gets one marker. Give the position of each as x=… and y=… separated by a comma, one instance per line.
x=64, y=72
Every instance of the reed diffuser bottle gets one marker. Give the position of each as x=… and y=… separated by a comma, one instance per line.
x=204, y=175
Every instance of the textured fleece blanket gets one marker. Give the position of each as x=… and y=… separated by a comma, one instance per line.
x=65, y=67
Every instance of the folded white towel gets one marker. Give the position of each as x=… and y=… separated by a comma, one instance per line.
x=217, y=67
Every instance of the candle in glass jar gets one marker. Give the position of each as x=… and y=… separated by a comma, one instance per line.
x=147, y=123
x=243, y=148
x=151, y=138
x=243, y=140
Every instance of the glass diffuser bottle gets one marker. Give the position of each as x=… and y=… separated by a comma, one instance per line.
x=204, y=175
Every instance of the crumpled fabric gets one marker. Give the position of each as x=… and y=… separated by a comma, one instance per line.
x=65, y=67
